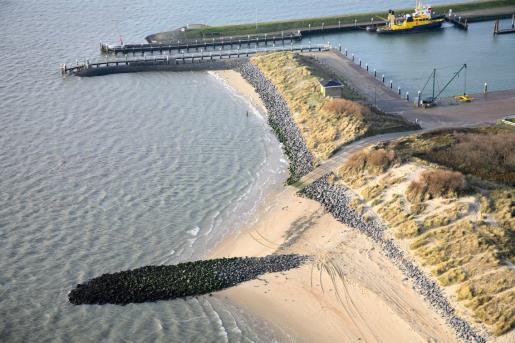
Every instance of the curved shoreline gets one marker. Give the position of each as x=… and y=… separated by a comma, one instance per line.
x=280, y=119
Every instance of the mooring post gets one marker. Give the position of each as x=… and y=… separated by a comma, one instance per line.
x=418, y=98
x=355, y=23
x=450, y=13
x=513, y=21
x=323, y=24
x=407, y=96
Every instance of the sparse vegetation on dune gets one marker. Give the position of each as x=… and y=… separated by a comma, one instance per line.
x=326, y=124
x=487, y=153
x=435, y=184
x=450, y=195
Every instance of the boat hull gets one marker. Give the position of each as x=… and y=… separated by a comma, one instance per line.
x=420, y=28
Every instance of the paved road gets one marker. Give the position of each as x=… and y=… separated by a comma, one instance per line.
x=489, y=109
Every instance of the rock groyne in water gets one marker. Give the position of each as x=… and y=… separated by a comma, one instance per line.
x=336, y=200
x=153, y=283
x=280, y=119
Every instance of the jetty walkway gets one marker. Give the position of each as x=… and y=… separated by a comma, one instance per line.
x=214, y=60
x=204, y=44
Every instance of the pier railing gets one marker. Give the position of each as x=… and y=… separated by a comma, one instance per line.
x=184, y=58
x=205, y=44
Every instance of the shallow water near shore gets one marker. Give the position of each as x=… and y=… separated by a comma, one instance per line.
x=112, y=173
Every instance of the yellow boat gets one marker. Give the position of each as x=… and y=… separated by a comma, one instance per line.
x=421, y=20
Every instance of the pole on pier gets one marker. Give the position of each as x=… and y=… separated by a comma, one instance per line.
x=360, y=62
x=339, y=24
x=485, y=89
x=352, y=57
x=309, y=27
x=367, y=66
x=346, y=52
x=496, y=27
x=513, y=21
x=407, y=96
x=399, y=90
x=375, y=72
x=418, y=98
x=382, y=78
x=391, y=84
x=323, y=24
x=355, y=23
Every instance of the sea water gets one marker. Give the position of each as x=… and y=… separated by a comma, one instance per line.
x=112, y=173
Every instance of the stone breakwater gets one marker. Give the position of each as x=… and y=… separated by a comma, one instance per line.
x=336, y=200
x=153, y=283
x=280, y=119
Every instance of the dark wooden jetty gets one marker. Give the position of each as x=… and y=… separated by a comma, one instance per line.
x=499, y=31
x=223, y=59
x=205, y=45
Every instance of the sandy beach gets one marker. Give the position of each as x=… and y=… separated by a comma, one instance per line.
x=371, y=301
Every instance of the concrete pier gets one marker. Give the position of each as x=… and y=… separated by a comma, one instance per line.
x=213, y=60
x=206, y=44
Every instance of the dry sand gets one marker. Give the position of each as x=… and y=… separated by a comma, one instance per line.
x=375, y=303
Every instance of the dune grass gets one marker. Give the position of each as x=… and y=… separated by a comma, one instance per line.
x=325, y=123
x=457, y=216
x=487, y=153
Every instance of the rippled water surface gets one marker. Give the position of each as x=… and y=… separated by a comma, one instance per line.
x=111, y=173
